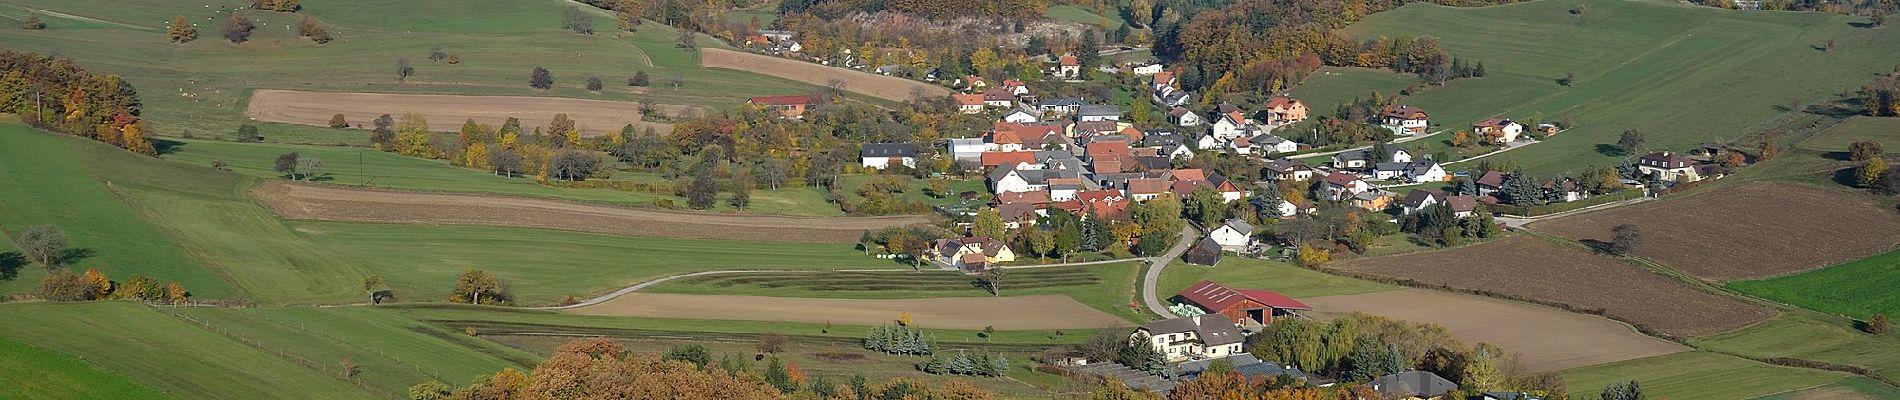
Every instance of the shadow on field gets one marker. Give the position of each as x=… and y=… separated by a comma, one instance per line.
x=166, y=146
x=1610, y=150
x=1845, y=177
x=74, y=255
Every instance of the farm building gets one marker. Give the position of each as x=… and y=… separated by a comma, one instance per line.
x=785, y=106
x=882, y=155
x=1250, y=307
x=1206, y=252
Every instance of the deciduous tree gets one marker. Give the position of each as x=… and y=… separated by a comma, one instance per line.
x=1624, y=239
x=403, y=71
x=578, y=21
x=1868, y=175
x=339, y=122
x=1864, y=150
x=237, y=28
x=44, y=244
x=1630, y=142
x=60, y=285
x=176, y=293
x=476, y=286
x=988, y=223
x=181, y=31
x=541, y=79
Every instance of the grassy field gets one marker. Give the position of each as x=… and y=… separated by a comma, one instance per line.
x=167, y=353
x=499, y=321
x=393, y=351
x=1683, y=75
x=1812, y=337
x=33, y=373
x=1110, y=288
x=1247, y=273
x=201, y=87
x=1696, y=375
x=1857, y=289
x=1837, y=138
x=1864, y=388
x=1081, y=16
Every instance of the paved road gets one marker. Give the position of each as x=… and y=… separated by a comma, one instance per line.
x=1155, y=264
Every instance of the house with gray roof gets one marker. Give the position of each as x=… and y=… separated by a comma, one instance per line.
x=1204, y=336
x=1097, y=112
x=1234, y=235
x=1247, y=365
x=881, y=155
x=1413, y=385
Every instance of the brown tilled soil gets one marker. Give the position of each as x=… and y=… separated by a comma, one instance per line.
x=1534, y=268
x=1547, y=339
x=1004, y=313
x=1751, y=231
x=334, y=203
x=446, y=113
x=880, y=86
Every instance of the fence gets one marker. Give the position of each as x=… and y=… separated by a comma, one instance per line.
x=337, y=373
x=1547, y=209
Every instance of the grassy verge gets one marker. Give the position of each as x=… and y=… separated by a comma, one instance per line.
x=1809, y=336
x=33, y=373
x=1109, y=288
x=1696, y=375
x=502, y=321
x=394, y=352
x=1858, y=289
x=1247, y=273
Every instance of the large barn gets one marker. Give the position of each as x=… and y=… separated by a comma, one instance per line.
x=1247, y=307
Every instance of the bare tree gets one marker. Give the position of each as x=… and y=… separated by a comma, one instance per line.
x=403, y=70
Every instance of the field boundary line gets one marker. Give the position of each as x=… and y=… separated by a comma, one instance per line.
x=267, y=349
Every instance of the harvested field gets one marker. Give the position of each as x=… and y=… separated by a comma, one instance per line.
x=880, y=86
x=1537, y=269
x=1751, y=231
x=1547, y=339
x=1003, y=313
x=446, y=113
x=334, y=203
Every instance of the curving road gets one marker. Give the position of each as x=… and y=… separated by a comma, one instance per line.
x=1155, y=264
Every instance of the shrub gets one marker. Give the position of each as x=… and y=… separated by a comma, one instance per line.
x=1877, y=325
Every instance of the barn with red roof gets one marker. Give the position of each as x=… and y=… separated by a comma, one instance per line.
x=1248, y=307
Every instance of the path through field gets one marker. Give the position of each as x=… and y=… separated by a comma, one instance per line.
x=446, y=113
x=1548, y=339
x=1004, y=313
x=885, y=87
x=336, y=203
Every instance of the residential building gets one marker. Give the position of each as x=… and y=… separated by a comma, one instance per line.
x=1282, y=110
x=1191, y=338
x=1149, y=69
x=1234, y=235
x=1287, y=169
x=998, y=97
x=1068, y=67
x=1094, y=112
x=1413, y=385
x=966, y=150
x=970, y=103
x=1271, y=144
x=1018, y=116
x=1249, y=308
x=1181, y=116
x=1668, y=167
x=1490, y=183
x=1144, y=189
x=786, y=106
x=881, y=155
x=1248, y=366
x=1230, y=125
x=1341, y=186
x=953, y=251
x=1373, y=200
x=1361, y=159
x=1060, y=107
x=1406, y=119
x=1205, y=252
x=1497, y=131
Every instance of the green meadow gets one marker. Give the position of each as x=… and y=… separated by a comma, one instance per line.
x=34, y=373
x=1696, y=375
x=1247, y=273
x=1858, y=289
x=1683, y=75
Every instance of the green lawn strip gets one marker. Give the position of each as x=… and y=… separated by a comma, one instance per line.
x=1696, y=375
x=1809, y=336
x=167, y=353
x=1857, y=289
x=49, y=179
x=26, y=277
x=539, y=267
x=1637, y=66
x=34, y=373
x=393, y=351
x=1247, y=273
x=1869, y=388
x=1081, y=16
x=1886, y=131
x=202, y=87
x=1109, y=287
x=851, y=184
x=493, y=320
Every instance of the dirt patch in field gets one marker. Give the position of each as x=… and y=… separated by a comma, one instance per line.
x=446, y=113
x=1004, y=313
x=1547, y=339
x=333, y=203
x=1751, y=231
x=1538, y=269
x=880, y=86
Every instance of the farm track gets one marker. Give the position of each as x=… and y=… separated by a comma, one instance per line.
x=446, y=113
x=336, y=203
x=1003, y=313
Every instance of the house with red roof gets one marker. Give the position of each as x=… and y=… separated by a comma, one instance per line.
x=785, y=106
x=1068, y=66
x=1282, y=110
x=971, y=103
x=1407, y=119
x=993, y=159
x=1247, y=307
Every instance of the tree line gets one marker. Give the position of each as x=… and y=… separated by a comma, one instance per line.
x=59, y=95
x=47, y=245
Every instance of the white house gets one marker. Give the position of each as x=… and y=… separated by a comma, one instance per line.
x=1341, y=186
x=1021, y=116
x=1390, y=170
x=1503, y=130
x=881, y=155
x=1149, y=69
x=1093, y=112
x=970, y=149
x=1229, y=126
x=1270, y=144
x=1177, y=152
x=1406, y=119
x=1364, y=158
x=1181, y=116
x=1206, y=142
x=1234, y=235
x=1666, y=166
x=1426, y=171
x=1191, y=338
x=1012, y=179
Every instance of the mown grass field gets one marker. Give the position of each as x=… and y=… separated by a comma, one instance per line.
x=1681, y=74
x=1858, y=289
x=167, y=353
x=393, y=351
x=202, y=87
x=34, y=373
x=1696, y=375
x=1885, y=130
x=1082, y=16
x=1852, y=388
x=1810, y=336
x=1110, y=288
x=1247, y=273
x=500, y=321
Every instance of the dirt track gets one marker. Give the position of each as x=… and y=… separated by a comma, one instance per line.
x=1752, y=231
x=333, y=203
x=1547, y=339
x=880, y=86
x=1004, y=313
x=1534, y=268
x=446, y=113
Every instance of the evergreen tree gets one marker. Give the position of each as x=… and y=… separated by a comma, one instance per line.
x=779, y=377
x=1093, y=231
x=1000, y=365
x=874, y=339
x=1521, y=189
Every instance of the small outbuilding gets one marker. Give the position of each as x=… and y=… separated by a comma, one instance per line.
x=1206, y=252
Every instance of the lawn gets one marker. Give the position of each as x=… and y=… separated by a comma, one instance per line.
x=1865, y=388
x=500, y=321
x=1682, y=75
x=1081, y=16
x=1110, y=288
x=1696, y=375
x=168, y=354
x=202, y=87
x=1247, y=273
x=394, y=352
x=1810, y=336
x=1837, y=138
x=1325, y=90
x=1858, y=289
x=34, y=373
